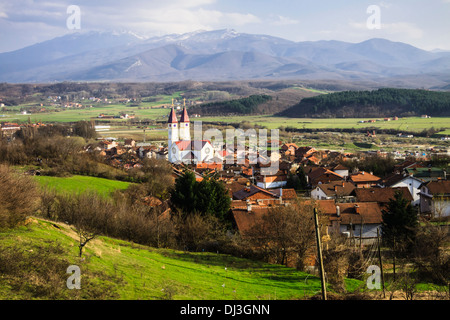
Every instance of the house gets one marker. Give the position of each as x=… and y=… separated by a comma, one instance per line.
x=321, y=175
x=285, y=195
x=435, y=198
x=147, y=152
x=289, y=149
x=341, y=170
x=129, y=143
x=107, y=145
x=427, y=174
x=303, y=152
x=236, y=185
x=407, y=164
x=360, y=219
x=252, y=192
x=401, y=180
x=364, y=179
x=336, y=190
x=212, y=166
x=9, y=127
x=275, y=180
x=381, y=195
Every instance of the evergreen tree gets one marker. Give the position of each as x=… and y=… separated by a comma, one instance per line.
x=207, y=197
x=399, y=222
x=183, y=196
x=298, y=180
x=303, y=182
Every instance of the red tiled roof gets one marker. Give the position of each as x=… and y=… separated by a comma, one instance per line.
x=337, y=188
x=194, y=144
x=364, y=177
x=361, y=212
x=381, y=194
x=246, y=192
x=288, y=145
x=246, y=220
x=440, y=187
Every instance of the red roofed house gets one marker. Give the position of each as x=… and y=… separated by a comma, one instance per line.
x=322, y=175
x=289, y=149
x=435, y=198
x=360, y=219
x=364, y=179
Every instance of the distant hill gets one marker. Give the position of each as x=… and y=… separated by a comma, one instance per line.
x=384, y=102
x=222, y=55
x=241, y=106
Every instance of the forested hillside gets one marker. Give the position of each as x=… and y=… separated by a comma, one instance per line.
x=237, y=106
x=386, y=102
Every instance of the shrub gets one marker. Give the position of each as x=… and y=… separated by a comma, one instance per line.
x=18, y=197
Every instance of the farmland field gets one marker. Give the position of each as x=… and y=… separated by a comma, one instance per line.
x=149, y=110
x=271, y=122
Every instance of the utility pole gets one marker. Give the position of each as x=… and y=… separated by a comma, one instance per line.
x=381, y=263
x=319, y=252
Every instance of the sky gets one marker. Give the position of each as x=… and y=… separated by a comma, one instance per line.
x=424, y=24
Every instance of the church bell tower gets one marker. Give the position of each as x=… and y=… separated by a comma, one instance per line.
x=185, y=130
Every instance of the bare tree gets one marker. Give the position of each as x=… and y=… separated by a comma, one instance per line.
x=89, y=213
x=430, y=256
x=286, y=234
x=18, y=197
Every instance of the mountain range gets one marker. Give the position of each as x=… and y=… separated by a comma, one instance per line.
x=222, y=55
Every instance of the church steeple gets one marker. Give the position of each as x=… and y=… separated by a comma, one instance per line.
x=185, y=131
x=184, y=116
x=172, y=126
x=172, y=117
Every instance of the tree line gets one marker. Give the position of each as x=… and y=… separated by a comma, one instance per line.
x=385, y=102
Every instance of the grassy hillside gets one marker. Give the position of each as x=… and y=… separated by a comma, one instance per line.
x=77, y=184
x=35, y=258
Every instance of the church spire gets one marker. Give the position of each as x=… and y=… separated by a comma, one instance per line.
x=172, y=117
x=184, y=116
x=185, y=131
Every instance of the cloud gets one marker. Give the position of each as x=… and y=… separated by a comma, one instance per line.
x=278, y=20
x=159, y=17
x=384, y=4
x=403, y=28
x=400, y=29
x=145, y=16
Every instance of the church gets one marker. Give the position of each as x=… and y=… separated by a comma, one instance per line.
x=181, y=149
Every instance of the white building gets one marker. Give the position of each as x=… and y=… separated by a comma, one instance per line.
x=413, y=184
x=180, y=146
x=435, y=198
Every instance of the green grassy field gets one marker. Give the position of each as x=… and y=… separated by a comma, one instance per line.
x=132, y=272
x=79, y=184
x=406, y=124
